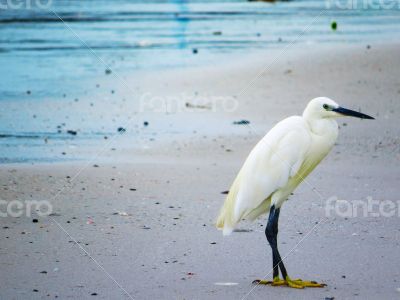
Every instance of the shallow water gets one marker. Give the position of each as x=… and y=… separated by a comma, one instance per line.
x=57, y=52
x=40, y=53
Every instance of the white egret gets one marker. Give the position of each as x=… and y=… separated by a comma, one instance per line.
x=275, y=167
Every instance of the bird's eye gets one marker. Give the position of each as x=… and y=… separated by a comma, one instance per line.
x=326, y=106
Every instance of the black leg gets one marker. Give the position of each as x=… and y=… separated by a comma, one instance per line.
x=271, y=231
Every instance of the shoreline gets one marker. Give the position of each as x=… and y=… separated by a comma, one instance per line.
x=184, y=105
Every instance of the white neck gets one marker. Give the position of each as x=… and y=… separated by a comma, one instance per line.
x=322, y=126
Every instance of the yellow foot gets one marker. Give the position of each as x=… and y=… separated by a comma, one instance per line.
x=301, y=284
x=293, y=283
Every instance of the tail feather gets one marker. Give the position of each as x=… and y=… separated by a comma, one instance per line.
x=226, y=219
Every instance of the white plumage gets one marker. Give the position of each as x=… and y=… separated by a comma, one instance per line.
x=280, y=161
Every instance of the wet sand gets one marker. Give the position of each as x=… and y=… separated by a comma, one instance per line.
x=140, y=217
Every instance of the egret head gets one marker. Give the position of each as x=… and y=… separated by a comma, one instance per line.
x=323, y=107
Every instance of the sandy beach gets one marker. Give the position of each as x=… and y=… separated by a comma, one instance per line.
x=132, y=216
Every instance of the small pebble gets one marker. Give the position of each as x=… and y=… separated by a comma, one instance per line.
x=72, y=132
x=241, y=122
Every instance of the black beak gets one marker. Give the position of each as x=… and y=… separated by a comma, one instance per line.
x=351, y=113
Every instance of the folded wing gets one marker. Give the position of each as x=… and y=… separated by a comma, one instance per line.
x=267, y=170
